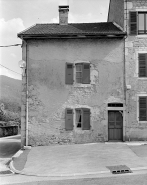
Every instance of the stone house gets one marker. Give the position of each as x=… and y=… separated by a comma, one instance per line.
x=131, y=15
x=73, y=86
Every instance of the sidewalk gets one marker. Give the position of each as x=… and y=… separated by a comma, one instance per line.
x=76, y=160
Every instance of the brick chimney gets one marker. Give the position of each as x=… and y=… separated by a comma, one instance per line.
x=63, y=15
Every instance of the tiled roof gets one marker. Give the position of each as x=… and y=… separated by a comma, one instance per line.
x=106, y=28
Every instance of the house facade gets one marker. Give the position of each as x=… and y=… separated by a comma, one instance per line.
x=73, y=86
x=131, y=15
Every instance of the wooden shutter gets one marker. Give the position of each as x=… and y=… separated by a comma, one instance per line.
x=86, y=73
x=142, y=65
x=69, y=119
x=69, y=73
x=142, y=108
x=133, y=23
x=86, y=119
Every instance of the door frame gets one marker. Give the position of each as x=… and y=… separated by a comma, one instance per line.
x=123, y=127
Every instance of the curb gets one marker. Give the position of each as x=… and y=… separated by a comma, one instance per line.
x=12, y=168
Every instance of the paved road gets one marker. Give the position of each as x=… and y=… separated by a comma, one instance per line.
x=140, y=179
x=9, y=146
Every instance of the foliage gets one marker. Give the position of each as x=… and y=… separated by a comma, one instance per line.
x=11, y=113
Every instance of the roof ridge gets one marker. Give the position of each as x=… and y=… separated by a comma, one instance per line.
x=74, y=23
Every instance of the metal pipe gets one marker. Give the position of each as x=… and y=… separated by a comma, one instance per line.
x=26, y=94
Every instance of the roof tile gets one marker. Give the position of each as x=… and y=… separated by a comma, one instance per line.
x=72, y=29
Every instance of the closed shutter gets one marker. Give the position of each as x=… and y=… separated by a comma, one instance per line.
x=86, y=73
x=69, y=73
x=133, y=23
x=86, y=119
x=142, y=108
x=69, y=119
x=142, y=65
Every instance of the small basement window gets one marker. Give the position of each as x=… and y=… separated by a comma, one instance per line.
x=115, y=105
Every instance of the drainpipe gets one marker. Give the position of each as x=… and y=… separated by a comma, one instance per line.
x=26, y=144
x=27, y=94
x=125, y=88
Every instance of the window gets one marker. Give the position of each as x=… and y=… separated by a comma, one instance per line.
x=142, y=23
x=79, y=73
x=142, y=65
x=138, y=23
x=82, y=73
x=78, y=118
x=143, y=108
x=115, y=105
x=83, y=118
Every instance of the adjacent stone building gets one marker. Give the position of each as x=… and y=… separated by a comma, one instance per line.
x=73, y=83
x=131, y=15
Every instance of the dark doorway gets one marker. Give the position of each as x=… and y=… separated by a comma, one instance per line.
x=115, y=125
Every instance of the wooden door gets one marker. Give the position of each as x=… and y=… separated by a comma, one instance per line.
x=115, y=126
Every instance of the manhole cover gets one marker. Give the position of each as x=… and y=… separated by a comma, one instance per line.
x=119, y=169
x=5, y=172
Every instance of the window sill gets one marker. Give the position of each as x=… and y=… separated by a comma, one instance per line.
x=142, y=36
x=82, y=85
x=144, y=122
x=144, y=78
x=79, y=130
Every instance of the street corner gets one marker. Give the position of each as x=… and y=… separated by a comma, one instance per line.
x=4, y=166
x=19, y=160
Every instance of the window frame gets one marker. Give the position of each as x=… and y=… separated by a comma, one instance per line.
x=138, y=108
x=75, y=77
x=82, y=125
x=81, y=64
x=145, y=22
x=76, y=123
x=142, y=77
x=130, y=32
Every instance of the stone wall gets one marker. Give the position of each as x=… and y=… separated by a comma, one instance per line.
x=135, y=130
x=49, y=96
x=8, y=131
x=116, y=12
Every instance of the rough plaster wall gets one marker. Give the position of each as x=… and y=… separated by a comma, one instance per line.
x=138, y=3
x=116, y=12
x=134, y=130
x=49, y=96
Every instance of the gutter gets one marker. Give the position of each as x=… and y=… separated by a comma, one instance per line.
x=73, y=37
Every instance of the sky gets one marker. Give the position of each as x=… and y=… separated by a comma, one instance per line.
x=18, y=15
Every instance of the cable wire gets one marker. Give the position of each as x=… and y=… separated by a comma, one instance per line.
x=10, y=69
x=10, y=45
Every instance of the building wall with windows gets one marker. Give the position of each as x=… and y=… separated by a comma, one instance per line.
x=135, y=24
x=70, y=83
x=136, y=65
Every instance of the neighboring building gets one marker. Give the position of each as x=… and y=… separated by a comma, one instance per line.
x=131, y=15
x=75, y=82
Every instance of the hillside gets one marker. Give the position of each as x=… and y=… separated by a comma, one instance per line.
x=10, y=89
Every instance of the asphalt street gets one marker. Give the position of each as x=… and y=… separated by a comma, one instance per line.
x=9, y=146
x=140, y=179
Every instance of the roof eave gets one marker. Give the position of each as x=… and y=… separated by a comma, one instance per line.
x=29, y=36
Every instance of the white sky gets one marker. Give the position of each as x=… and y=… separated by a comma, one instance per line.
x=17, y=15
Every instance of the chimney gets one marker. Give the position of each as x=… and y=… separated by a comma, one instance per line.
x=63, y=15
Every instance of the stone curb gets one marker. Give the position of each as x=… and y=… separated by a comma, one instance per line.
x=12, y=168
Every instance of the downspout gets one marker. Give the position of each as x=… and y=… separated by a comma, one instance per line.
x=26, y=94
x=125, y=87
